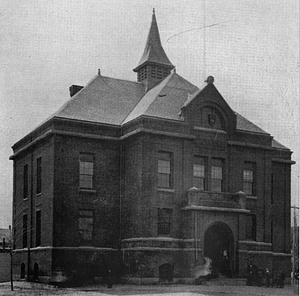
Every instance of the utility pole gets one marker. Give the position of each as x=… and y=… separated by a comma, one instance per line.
x=294, y=245
x=11, y=259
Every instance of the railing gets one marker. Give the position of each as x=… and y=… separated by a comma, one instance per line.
x=197, y=197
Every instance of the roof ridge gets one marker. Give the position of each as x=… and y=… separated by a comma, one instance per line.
x=155, y=88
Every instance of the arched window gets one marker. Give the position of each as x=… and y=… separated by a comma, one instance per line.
x=22, y=271
x=210, y=117
x=36, y=271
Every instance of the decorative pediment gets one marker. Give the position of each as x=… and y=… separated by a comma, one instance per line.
x=206, y=108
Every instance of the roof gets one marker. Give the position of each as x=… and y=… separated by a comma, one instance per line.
x=103, y=100
x=154, y=52
x=164, y=100
x=244, y=124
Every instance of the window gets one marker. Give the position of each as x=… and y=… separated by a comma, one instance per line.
x=39, y=175
x=25, y=231
x=209, y=117
x=85, y=226
x=38, y=228
x=248, y=182
x=25, y=181
x=217, y=175
x=251, y=227
x=86, y=171
x=199, y=173
x=164, y=170
x=164, y=221
x=272, y=189
x=248, y=178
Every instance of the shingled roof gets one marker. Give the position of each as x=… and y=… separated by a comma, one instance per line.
x=103, y=100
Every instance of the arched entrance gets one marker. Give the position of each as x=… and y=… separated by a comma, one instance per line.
x=218, y=246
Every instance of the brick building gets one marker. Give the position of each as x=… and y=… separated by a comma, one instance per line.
x=147, y=178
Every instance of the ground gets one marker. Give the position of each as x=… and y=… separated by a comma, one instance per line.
x=25, y=288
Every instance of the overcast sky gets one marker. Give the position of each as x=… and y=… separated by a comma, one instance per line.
x=250, y=47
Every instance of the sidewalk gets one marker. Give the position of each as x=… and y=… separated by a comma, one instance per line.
x=26, y=288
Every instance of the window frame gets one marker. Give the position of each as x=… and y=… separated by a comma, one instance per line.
x=25, y=181
x=249, y=167
x=164, y=221
x=165, y=173
x=251, y=227
x=84, y=177
x=214, y=180
x=25, y=231
x=39, y=175
x=200, y=161
x=86, y=214
x=38, y=228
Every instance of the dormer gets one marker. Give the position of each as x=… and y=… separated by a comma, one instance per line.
x=207, y=110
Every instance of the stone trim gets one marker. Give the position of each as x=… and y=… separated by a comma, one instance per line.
x=265, y=253
x=217, y=209
x=211, y=130
x=255, y=243
x=155, y=132
x=46, y=248
x=156, y=249
x=164, y=239
x=244, y=144
x=280, y=160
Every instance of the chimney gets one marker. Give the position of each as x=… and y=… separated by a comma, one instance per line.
x=74, y=89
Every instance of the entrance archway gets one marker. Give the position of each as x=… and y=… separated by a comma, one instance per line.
x=218, y=246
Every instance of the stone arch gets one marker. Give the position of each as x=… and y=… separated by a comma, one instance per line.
x=219, y=247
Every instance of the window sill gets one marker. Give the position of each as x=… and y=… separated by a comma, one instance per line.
x=87, y=190
x=251, y=197
x=38, y=194
x=166, y=190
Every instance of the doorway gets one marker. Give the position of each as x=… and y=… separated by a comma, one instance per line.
x=218, y=246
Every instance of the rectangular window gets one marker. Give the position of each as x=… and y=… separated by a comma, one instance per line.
x=251, y=227
x=217, y=175
x=272, y=189
x=86, y=226
x=199, y=172
x=25, y=231
x=248, y=182
x=164, y=170
x=86, y=171
x=164, y=221
x=25, y=181
x=38, y=228
x=39, y=175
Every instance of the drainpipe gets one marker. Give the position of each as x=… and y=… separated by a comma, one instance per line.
x=196, y=241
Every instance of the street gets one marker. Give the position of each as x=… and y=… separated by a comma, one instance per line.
x=25, y=288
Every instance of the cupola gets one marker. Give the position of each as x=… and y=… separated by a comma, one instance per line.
x=154, y=64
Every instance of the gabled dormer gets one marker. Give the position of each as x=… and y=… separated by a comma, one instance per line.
x=206, y=109
x=154, y=64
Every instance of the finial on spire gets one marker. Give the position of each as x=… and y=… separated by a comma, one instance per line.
x=153, y=10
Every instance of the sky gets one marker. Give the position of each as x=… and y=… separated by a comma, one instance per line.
x=250, y=47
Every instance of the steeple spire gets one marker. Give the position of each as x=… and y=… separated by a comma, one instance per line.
x=154, y=63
